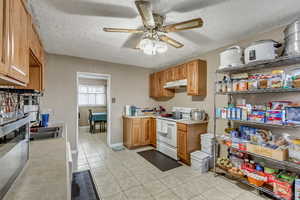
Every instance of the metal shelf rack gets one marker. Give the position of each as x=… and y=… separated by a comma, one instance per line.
x=261, y=91
x=284, y=164
x=262, y=124
x=259, y=65
x=244, y=181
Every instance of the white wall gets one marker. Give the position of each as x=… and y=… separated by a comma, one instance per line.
x=129, y=85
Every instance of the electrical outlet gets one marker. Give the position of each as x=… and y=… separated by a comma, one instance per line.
x=113, y=100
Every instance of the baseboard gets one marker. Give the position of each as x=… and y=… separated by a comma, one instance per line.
x=116, y=144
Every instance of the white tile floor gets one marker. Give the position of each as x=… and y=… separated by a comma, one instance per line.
x=125, y=175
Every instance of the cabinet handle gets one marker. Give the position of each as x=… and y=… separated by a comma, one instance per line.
x=18, y=70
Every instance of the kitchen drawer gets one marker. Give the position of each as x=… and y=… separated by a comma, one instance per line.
x=182, y=127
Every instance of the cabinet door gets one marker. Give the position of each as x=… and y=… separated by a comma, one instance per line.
x=196, y=78
x=19, y=56
x=146, y=128
x=153, y=132
x=176, y=73
x=136, y=132
x=182, y=144
x=151, y=85
x=35, y=44
x=182, y=72
x=4, y=36
x=169, y=75
x=161, y=83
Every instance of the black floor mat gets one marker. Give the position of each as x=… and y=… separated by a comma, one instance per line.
x=83, y=187
x=159, y=160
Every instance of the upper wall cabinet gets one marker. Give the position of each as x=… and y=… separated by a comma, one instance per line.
x=4, y=36
x=19, y=55
x=196, y=78
x=21, y=51
x=156, y=83
x=35, y=44
x=194, y=72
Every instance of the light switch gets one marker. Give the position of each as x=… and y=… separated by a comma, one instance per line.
x=113, y=100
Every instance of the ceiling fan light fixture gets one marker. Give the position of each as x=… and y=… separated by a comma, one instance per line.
x=151, y=46
x=161, y=47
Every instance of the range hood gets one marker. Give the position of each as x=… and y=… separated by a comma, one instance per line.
x=176, y=84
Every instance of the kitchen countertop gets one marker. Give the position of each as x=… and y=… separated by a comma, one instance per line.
x=183, y=121
x=45, y=174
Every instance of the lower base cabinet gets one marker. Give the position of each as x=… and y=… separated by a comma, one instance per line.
x=188, y=140
x=138, y=132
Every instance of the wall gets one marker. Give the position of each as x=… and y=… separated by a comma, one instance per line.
x=182, y=100
x=129, y=85
x=84, y=110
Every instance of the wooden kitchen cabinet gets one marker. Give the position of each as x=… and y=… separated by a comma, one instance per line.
x=137, y=131
x=19, y=54
x=182, y=145
x=153, y=132
x=146, y=131
x=195, y=72
x=169, y=75
x=35, y=44
x=188, y=139
x=153, y=88
x=4, y=36
x=182, y=72
x=196, y=78
x=157, y=81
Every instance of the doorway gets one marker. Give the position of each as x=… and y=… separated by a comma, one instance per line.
x=93, y=105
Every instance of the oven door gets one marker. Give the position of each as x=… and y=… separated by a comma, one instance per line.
x=167, y=133
x=14, y=153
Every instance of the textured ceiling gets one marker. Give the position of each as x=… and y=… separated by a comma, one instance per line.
x=74, y=27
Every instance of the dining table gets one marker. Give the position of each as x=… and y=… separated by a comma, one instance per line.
x=98, y=117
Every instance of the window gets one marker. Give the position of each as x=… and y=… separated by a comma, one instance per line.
x=90, y=95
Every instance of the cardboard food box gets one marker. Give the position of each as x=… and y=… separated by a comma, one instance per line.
x=277, y=154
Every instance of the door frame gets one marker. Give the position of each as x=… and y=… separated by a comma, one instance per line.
x=99, y=76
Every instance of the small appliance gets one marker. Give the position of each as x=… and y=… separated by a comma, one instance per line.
x=292, y=39
x=231, y=57
x=261, y=50
x=198, y=115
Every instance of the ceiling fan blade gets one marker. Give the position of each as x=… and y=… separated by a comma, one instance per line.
x=132, y=41
x=194, y=23
x=171, y=41
x=123, y=30
x=145, y=10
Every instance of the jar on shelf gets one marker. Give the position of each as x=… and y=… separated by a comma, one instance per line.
x=235, y=85
x=243, y=85
x=229, y=86
x=224, y=86
x=252, y=84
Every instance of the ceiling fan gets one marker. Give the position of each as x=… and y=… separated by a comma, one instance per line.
x=154, y=38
